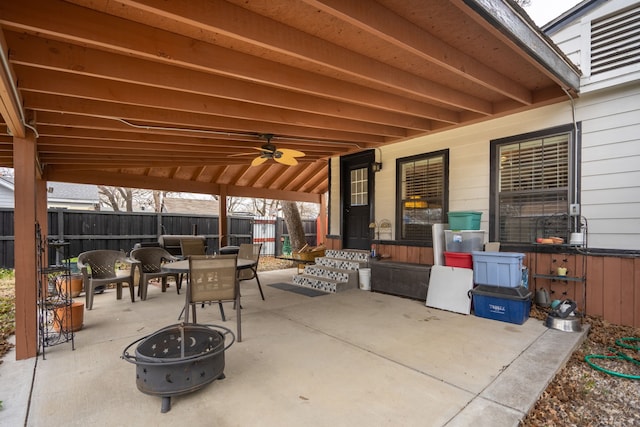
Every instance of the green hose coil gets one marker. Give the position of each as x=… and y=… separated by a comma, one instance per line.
x=622, y=342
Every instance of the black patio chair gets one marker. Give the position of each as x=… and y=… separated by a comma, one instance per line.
x=150, y=262
x=250, y=251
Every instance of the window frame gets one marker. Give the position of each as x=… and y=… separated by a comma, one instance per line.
x=428, y=240
x=573, y=130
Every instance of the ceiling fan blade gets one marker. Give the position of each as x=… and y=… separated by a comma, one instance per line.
x=267, y=148
x=241, y=154
x=258, y=161
x=291, y=153
x=286, y=160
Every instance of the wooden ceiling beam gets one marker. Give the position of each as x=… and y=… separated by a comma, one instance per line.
x=154, y=183
x=218, y=16
x=383, y=23
x=57, y=124
x=10, y=103
x=160, y=117
x=61, y=21
x=57, y=83
x=80, y=139
x=50, y=54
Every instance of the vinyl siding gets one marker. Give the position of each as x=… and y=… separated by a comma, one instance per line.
x=610, y=166
x=575, y=41
x=609, y=110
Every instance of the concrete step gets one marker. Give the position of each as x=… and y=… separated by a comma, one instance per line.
x=357, y=255
x=325, y=272
x=322, y=284
x=338, y=263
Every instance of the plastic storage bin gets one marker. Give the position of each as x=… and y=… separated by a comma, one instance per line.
x=464, y=220
x=499, y=303
x=463, y=240
x=497, y=268
x=458, y=259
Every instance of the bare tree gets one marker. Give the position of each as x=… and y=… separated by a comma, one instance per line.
x=158, y=200
x=294, y=224
x=125, y=199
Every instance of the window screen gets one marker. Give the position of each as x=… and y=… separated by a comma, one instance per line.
x=533, y=182
x=421, y=194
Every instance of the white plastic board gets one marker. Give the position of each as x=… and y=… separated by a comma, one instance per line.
x=449, y=288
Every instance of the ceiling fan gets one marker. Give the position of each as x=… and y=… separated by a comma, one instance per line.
x=268, y=151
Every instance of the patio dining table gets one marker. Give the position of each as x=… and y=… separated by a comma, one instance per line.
x=182, y=266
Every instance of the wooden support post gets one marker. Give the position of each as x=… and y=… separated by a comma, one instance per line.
x=24, y=155
x=222, y=218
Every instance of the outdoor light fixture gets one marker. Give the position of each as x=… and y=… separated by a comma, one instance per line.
x=377, y=166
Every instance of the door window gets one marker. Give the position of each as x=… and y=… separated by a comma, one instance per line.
x=359, y=187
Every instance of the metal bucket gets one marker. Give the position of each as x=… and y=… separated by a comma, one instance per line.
x=179, y=359
x=569, y=324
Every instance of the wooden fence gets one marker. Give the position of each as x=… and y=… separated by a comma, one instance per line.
x=89, y=230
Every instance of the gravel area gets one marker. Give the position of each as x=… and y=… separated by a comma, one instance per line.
x=580, y=395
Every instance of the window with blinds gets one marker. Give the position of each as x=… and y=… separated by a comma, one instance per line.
x=533, y=181
x=421, y=193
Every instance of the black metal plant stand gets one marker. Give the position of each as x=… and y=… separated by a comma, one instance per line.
x=55, y=316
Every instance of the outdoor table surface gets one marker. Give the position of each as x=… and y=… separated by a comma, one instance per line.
x=183, y=265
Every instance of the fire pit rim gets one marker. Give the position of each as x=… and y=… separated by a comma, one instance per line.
x=177, y=360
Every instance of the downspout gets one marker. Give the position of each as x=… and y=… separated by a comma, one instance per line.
x=14, y=91
x=575, y=223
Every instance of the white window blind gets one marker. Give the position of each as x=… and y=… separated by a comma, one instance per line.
x=533, y=181
x=422, y=190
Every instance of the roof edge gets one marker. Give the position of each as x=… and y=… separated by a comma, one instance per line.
x=577, y=11
x=513, y=22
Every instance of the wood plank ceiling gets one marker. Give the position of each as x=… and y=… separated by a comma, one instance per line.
x=176, y=95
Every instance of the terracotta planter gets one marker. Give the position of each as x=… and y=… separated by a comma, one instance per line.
x=70, y=318
x=71, y=284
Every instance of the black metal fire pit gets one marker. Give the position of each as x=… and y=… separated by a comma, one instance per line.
x=179, y=359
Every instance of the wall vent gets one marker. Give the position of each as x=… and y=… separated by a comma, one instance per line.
x=615, y=40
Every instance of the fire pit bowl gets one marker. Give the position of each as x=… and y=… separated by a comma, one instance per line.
x=179, y=359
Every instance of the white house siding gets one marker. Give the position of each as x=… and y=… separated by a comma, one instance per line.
x=609, y=108
x=574, y=39
x=469, y=162
x=335, y=213
x=610, y=171
x=611, y=166
x=6, y=197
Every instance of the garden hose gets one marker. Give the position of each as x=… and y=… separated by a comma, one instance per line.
x=622, y=342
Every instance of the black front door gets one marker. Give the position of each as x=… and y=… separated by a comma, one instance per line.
x=357, y=199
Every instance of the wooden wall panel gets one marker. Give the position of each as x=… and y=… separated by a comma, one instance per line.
x=612, y=292
x=595, y=286
x=636, y=292
x=333, y=243
x=626, y=291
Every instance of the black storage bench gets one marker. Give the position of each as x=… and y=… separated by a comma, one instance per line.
x=400, y=278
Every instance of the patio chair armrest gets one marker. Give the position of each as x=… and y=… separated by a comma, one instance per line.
x=171, y=258
x=85, y=271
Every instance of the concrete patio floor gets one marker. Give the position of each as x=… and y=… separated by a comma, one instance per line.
x=355, y=358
